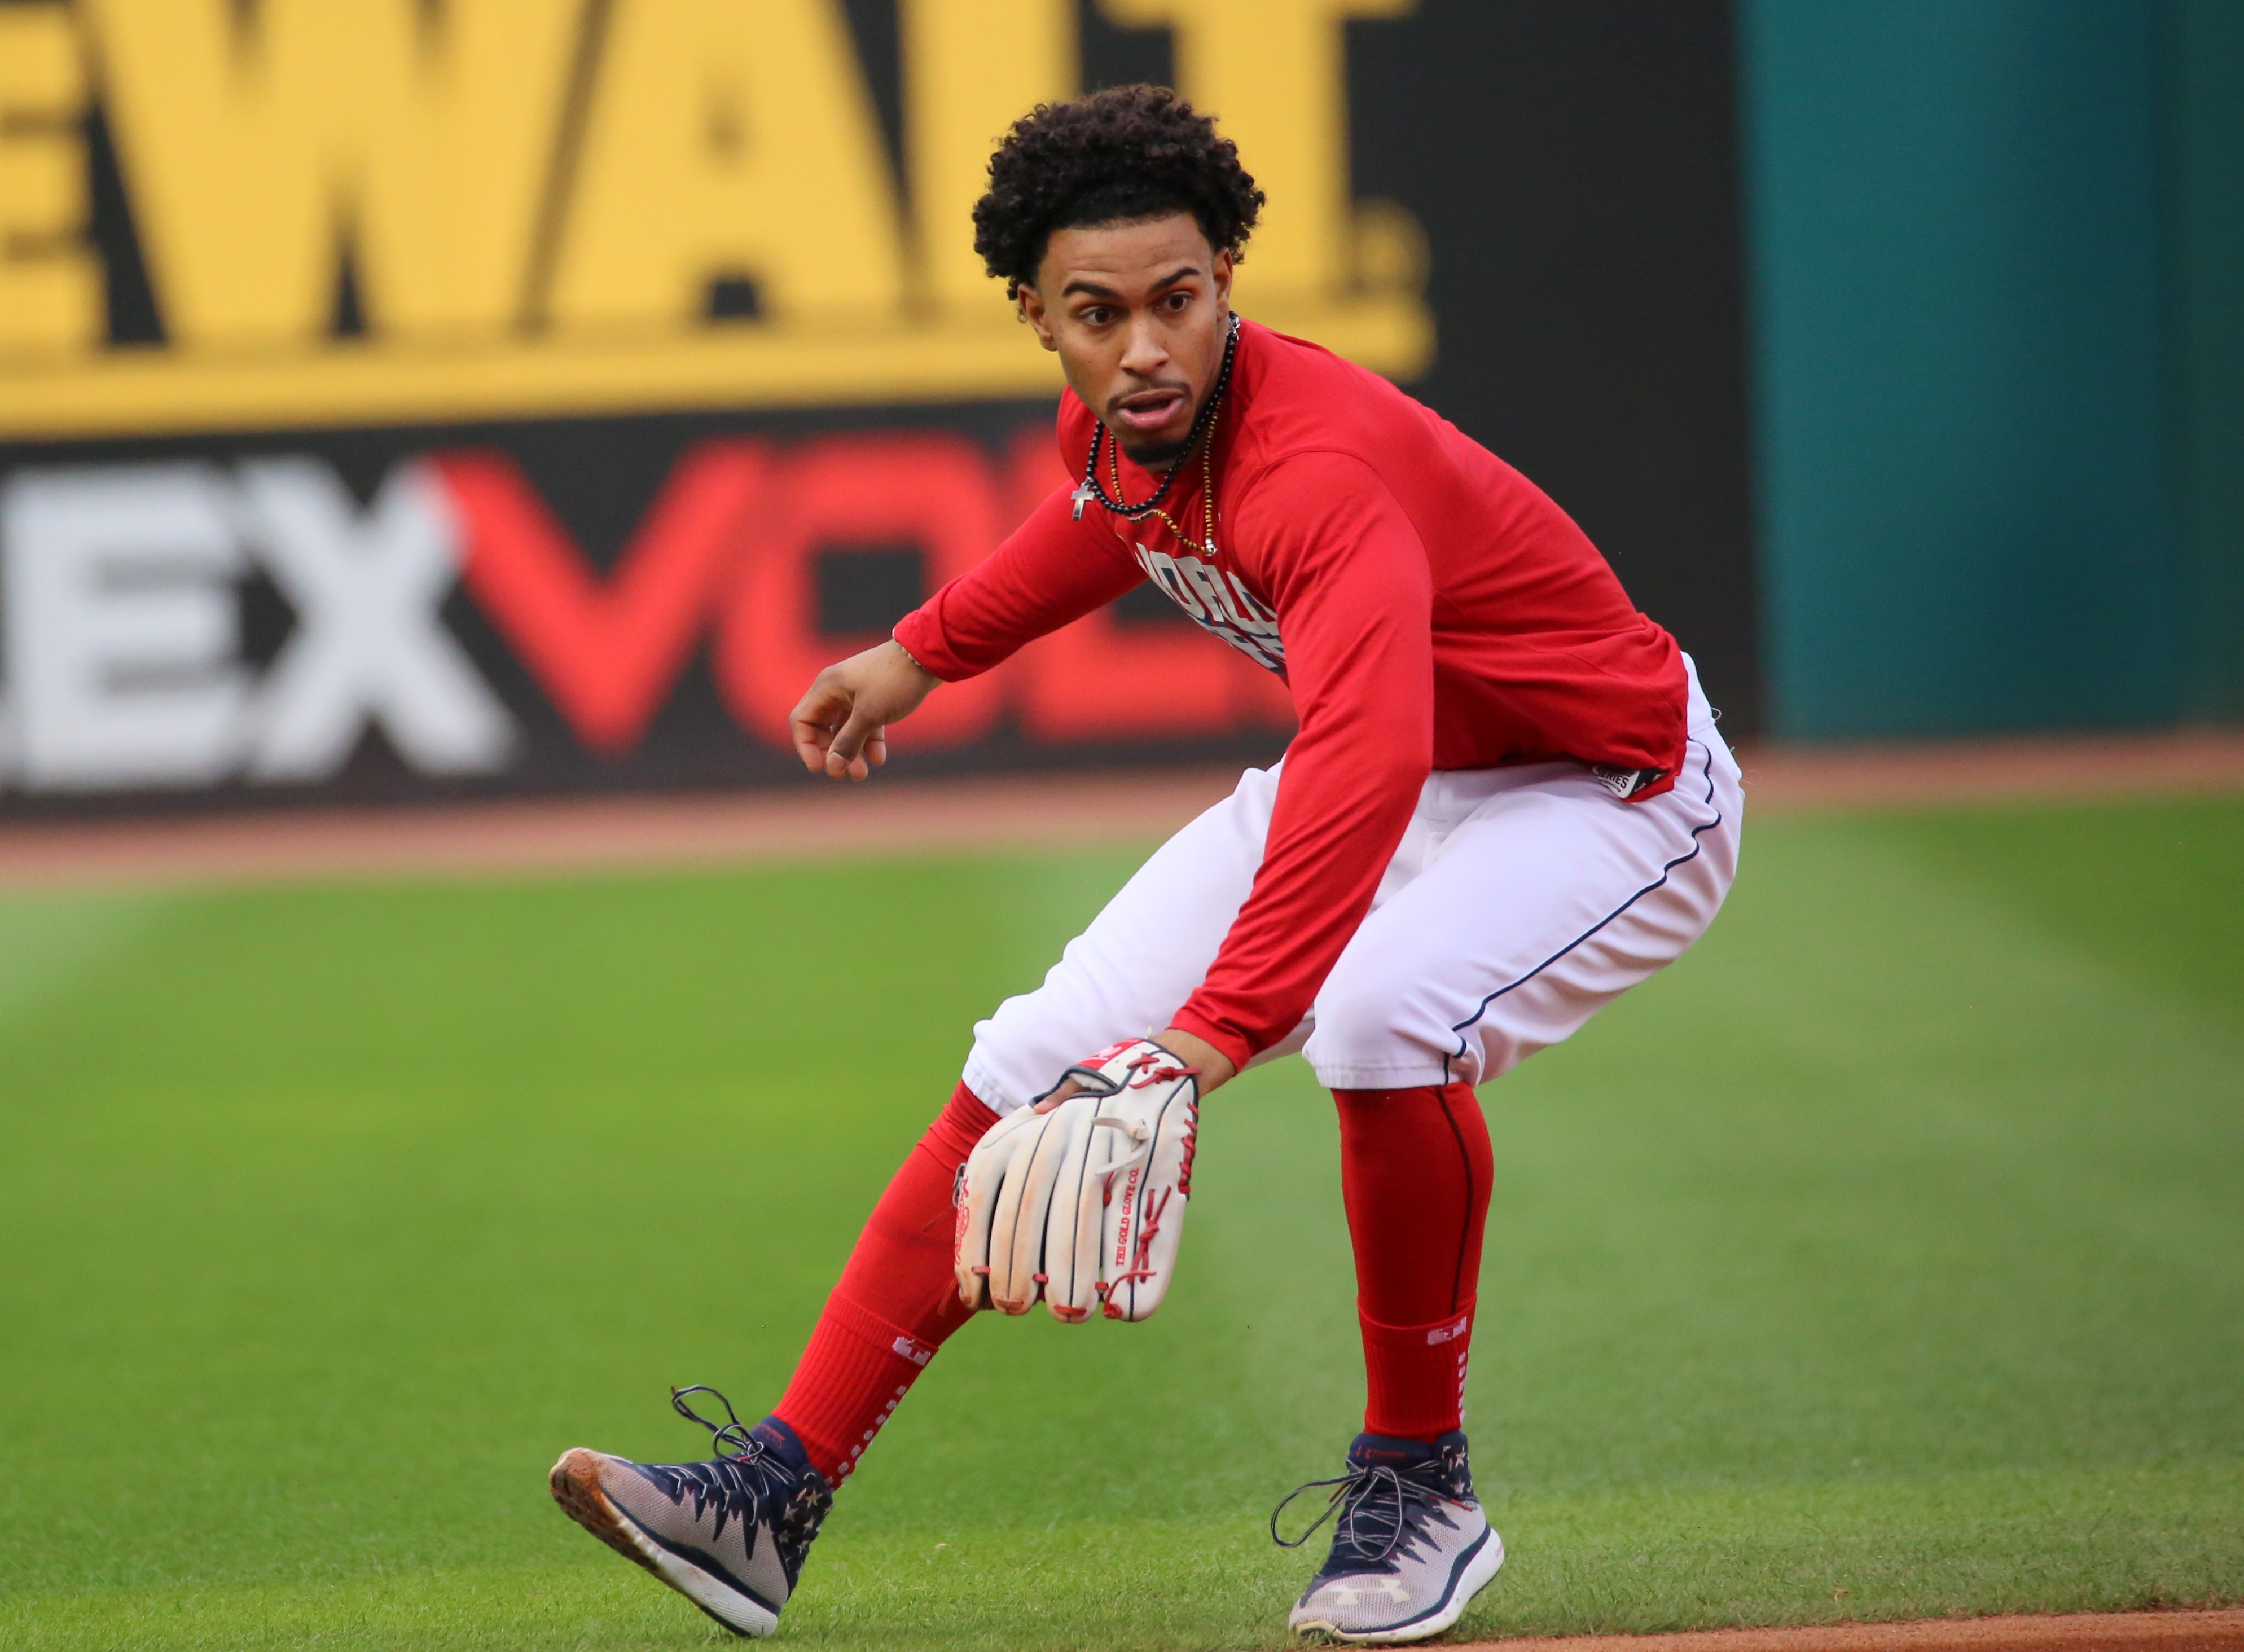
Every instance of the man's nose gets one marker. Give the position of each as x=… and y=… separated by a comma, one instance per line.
x=1144, y=350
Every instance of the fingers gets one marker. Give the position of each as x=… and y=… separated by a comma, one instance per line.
x=815, y=717
x=811, y=740
x=858, y=747
x=832, y=737
x=839, y=728
x=1067, y=1088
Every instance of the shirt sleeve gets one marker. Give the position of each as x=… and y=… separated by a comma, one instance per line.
x=1347, y=574
x=1052, y=571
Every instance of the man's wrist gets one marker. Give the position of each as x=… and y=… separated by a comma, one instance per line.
x=1215, y=1067
x=913, y=660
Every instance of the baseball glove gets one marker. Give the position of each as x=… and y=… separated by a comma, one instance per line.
x=1083, y=1205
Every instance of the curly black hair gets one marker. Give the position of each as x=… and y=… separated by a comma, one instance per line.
x=1117, y=156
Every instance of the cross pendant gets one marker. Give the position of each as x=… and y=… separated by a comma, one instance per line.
x=1082, y=495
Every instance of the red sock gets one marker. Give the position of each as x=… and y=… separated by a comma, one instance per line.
x=1415, y=1166
x=897, y=1303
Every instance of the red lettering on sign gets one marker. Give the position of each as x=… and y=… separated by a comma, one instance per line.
x=930, y=489
x=735, y=539
x=607, y=651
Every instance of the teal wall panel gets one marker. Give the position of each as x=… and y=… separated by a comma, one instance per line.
x=1965, y=488
x=2206, y=215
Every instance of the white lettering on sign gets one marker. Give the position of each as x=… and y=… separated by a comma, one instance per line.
x=368, y=647
x=122, y=626
x=121, y=589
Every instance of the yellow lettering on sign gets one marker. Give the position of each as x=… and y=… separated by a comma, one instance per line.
x=1274, y=75
x=487, y=194
x=255, y=149
x=50, y=284
x=730, y=138
x=965, y=82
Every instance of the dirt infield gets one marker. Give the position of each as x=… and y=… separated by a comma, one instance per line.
x=2220, y=1631
x=817, y=819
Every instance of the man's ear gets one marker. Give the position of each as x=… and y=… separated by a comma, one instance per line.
x=1221, y=269
x=1031, y=310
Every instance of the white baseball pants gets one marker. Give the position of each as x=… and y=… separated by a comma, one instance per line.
x=1520, y=902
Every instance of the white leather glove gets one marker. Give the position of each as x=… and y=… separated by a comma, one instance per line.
x=1084, y=1205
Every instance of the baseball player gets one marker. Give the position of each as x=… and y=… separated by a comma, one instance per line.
x=1506, y=804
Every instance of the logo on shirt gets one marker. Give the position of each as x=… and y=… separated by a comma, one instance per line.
x=1218, y=601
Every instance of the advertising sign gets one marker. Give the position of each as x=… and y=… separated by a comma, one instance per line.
x=420, y=396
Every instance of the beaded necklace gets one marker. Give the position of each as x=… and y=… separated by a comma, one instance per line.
x=1202, y=435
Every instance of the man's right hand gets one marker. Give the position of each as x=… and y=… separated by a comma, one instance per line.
x=841, y=727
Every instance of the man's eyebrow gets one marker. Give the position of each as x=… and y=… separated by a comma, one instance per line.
x=1084, y=284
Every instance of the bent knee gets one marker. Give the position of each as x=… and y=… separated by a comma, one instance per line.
x=1376, y=1033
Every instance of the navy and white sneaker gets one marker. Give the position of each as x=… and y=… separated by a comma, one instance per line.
x=729, y=1535
x=1410, y=1546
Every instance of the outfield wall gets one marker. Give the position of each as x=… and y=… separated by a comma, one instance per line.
x=2205, y=238
x=1998, y=302
x=526, y=395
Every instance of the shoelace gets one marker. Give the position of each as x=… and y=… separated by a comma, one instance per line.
x=746, y=1473
x=731, y=1437
x=1380, y=1512
x=750, y=1482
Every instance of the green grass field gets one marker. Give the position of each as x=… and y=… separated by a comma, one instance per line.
x=1885, y=1257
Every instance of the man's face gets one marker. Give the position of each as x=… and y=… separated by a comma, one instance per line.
x=1136, y=312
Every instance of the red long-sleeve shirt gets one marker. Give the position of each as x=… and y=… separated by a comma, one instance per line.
x=1429, y=607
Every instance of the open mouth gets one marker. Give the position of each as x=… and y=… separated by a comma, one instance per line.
x=1147, y=410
